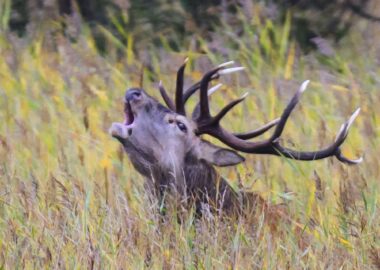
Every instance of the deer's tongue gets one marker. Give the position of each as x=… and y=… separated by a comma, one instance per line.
x=129, y=118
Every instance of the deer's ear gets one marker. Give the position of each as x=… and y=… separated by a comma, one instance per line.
x=218, y=156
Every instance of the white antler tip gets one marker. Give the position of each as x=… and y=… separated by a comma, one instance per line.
x=353, y=117
x=214, y=88
x=226, y=64
x=357, y=161
x=245, y=95
x=186, y=60
x=230, y=70
x=160, y=83
x=304, y=86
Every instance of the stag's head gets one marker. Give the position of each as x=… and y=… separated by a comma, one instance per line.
x=155, y=136
x=162, y=138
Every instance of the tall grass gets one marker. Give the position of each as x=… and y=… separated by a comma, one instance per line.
x=69, y=198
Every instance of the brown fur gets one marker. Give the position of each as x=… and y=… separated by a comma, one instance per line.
x=179, y=162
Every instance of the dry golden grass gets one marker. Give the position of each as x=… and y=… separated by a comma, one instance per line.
x=69, y=198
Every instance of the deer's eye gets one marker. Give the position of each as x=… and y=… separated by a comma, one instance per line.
x=182, y=126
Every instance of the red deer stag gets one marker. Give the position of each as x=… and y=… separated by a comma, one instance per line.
x=165, y=146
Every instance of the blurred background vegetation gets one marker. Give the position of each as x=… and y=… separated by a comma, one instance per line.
x=178, y=21
x=69, y=199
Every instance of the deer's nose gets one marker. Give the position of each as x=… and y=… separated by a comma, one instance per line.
x=132, y=94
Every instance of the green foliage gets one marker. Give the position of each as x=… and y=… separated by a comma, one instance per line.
x=180, y=21
x=5, y=12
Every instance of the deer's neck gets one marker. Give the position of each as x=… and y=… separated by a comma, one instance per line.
x=204, y=183
x=196, y=179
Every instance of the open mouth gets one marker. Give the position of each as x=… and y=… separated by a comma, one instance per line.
x=129, y=117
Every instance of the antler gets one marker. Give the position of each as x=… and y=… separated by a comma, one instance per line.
x=206, y=124
x=169, y=102
x=182, y=97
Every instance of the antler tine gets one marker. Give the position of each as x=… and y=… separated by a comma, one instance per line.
x=343, y=132
x=194, y=88
x=348, y=161
x=169, y=102
x=285, y=115
x=208, y=121
x=181, y=97
x=179, y=101
x=272, y=145
x=216, y=119
x=280, y=122
x=257, y=132
x=226, y=109
x=341, y=137
x=204, y=104
x=196, y=111
x=190, y=91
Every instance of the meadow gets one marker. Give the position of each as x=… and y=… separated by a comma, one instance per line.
x=70, y=199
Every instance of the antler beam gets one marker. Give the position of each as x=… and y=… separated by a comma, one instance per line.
x=210, y=125
x=207, y=124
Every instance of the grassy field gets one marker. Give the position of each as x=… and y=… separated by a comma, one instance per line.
x=70, y=199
